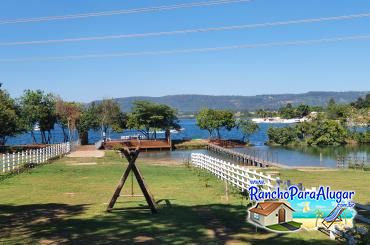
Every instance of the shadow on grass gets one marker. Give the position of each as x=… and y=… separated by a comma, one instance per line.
x=201, y=224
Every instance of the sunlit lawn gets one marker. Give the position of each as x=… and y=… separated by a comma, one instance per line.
x=356, y=180
x=64, y=203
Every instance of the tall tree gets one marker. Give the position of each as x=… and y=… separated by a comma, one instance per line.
x=110, y=116
x=68, y=114
x=146, y=116
x=214, y=120
x=10, y=122
x=87, y=120
x=247, y=127
x=38, y=108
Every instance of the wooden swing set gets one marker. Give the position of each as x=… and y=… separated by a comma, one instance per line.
x=131, y=156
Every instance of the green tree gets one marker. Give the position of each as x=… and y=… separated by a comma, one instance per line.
x=303, y=110
x=288, y=111
x=110, y=116
x=362, y=103
x=282, y=136
x=10, y=122
x=327, y=132
x=39, y=109
x=247, y=127
x=319, y=214
x=68, y=113
x=88, y=120
x=146, y=116
x=214, y=120
x=261, y=113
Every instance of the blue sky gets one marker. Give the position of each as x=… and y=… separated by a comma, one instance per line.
x=338, y=66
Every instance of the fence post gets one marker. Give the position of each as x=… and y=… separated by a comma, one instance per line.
x=14, y=161
x=4, y=163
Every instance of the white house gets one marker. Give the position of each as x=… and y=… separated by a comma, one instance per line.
x=271, y=213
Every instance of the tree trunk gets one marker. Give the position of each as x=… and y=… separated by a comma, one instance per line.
x=2, y=140
x=65, y=136
x=148, y=133
x=84, y=138
x=33, y=137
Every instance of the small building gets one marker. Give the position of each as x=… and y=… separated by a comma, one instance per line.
x=271, y=213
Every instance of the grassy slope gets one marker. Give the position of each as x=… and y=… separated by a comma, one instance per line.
x=65, y=203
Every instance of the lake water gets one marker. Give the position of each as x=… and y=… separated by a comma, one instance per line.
x=297, y=156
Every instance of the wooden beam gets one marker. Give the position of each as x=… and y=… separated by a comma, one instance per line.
x=131, y=156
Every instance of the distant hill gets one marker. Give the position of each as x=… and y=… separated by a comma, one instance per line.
x=192, y=103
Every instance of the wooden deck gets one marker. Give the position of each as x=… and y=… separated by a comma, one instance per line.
x=144, y=145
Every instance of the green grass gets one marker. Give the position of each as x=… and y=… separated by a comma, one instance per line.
x=65, y=203
x=348, y=179
x=295, y=224
x=279, y=227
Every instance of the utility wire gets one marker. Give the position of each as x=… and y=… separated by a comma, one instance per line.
x=188, y=31
x=121, y=12
x=194, y=50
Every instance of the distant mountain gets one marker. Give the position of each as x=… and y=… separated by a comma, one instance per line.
x=192, y=103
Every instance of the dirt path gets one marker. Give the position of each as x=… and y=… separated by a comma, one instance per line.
x=87, y=151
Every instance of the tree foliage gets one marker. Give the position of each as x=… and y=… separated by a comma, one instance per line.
x=282, y=136
x=110, y=116
x=319, y=131
x=300, y=111
x=362, y=103
x=10, y=122
x=146, y=116
x=39, y=109
x=214, y=120
x=68, y=114
x=247, y=127
x=88, y=120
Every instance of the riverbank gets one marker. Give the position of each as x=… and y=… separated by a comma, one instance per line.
x=191, y=144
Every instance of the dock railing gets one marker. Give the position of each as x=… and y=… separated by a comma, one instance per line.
x=13, y=162
x=244, y=159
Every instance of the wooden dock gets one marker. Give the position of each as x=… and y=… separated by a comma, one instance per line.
x=241, y=158
x=144, y=145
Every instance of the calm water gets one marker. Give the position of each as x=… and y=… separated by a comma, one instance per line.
x=297, y=156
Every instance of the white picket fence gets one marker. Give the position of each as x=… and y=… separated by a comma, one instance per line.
x=236, y=175
x=14, y=161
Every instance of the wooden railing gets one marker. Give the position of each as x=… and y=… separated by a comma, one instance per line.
x=15, y=161
x=236, y=175
x=240, y=176
x=245, y=159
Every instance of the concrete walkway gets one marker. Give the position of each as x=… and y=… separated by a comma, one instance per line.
x=86, y=151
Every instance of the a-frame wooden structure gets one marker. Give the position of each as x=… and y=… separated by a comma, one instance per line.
x=131, y=156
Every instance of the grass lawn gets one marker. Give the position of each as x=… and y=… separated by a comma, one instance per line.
x=64, y=203
x=348, y=179
x=279, y=227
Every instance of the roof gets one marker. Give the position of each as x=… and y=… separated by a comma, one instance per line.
x=266, y=208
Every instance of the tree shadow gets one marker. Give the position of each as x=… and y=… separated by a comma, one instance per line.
x=174, y=224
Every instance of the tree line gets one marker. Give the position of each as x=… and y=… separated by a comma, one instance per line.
x=35, y=108
x=336, y=124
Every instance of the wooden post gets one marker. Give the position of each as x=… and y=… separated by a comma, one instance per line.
x=226, y=191
x=131, y=157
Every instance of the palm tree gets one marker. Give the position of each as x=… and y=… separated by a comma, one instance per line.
x=319, y=214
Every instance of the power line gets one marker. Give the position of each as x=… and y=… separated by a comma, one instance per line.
x=194, y=50
x=188, y=31
x=121, y=12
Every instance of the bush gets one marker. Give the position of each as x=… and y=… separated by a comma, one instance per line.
x=282, y=136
